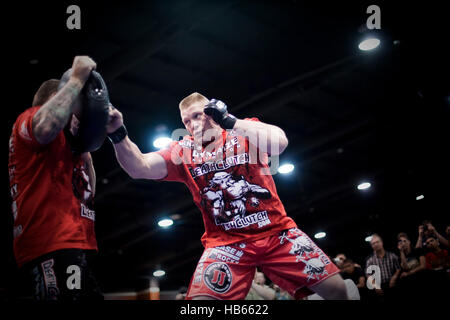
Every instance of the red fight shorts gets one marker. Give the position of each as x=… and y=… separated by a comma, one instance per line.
x=290, y=259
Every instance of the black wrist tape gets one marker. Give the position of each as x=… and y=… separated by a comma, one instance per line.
x=118, y=135
x=228, y=122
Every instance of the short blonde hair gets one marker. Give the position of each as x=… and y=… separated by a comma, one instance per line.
x=190, y=99
x=45, y=91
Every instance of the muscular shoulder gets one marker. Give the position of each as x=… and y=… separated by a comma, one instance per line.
x=23, y=125
x=30, y=112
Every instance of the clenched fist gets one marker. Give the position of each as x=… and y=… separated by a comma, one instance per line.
x=115, y=120
x=81, y=68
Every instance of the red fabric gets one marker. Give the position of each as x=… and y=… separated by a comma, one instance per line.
x=290, y=259
x=238, y=202
x=437, y=260
x=45, y=182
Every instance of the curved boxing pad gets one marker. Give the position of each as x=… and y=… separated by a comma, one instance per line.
x=94, y=115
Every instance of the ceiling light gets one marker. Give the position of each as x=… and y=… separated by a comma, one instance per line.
x=369, y=44
x=364, y=185
x=286, y=168
x=320, y=235
x=165, y=223
x=159, y=273
x=162, y=142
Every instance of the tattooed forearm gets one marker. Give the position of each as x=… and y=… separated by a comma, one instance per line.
x=53, y=116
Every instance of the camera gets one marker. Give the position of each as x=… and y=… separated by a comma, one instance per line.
x=425, y=224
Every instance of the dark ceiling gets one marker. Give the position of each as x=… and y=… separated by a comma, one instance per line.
x=380, y=116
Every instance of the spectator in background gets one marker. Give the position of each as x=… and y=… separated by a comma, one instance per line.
x=388, y=264
x=339, y=260
x=426, y=229
x=412, y=263
x=356, y=274
x=349, y=271
x=447, y=232
x=423, y=234
x=281, y=294
x=411, y=260
x=259, y=290
x=181, y=295
x=436, y=258
x=437, y=272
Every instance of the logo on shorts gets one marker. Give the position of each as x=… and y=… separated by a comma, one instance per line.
x=50, y=279
x=316, y=268
x=218, y=277
x=226, y=254
x=301, y=245
x=306, y=251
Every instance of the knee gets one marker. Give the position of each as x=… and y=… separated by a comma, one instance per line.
x=340, y=291
x=333, y=288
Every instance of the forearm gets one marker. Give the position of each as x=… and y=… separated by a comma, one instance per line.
x=417, y=269
x=442, y=240
x=130, y=158
x=269, y=138
x=419, y=241
x=54, y=115
x=395, y=276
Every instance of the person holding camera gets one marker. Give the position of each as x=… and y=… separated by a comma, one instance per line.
x=426, y=229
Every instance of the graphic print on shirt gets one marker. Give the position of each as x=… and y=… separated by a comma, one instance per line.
x=17, y=231
x=226, y=199
x=82, y=190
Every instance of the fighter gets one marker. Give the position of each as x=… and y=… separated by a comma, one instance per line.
x=241, y=209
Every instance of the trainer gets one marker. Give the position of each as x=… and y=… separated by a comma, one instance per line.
x=52, y=188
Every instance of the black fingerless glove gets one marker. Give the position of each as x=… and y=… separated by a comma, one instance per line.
x=217, y=110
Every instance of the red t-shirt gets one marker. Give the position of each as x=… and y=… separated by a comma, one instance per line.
x=51, y=193
x=237, y=201
x=437, y=260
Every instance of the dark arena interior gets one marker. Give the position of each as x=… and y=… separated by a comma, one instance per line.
x=351, y=116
